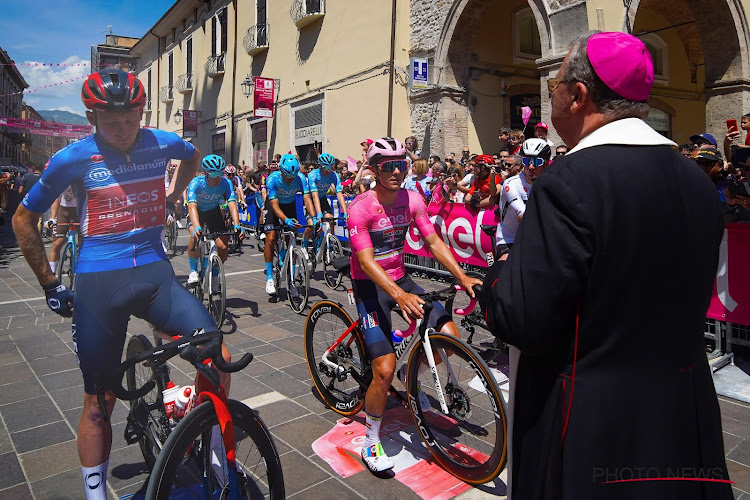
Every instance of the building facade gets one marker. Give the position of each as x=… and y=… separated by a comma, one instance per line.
x=36, y=149
x=331, y=62
x=12, y=85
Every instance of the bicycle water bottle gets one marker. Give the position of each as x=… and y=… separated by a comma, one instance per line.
x=169, y=395
x=184, y=401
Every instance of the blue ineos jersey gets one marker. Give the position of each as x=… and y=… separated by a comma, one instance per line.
x=320, y=184
x=285, y=193
x=121, y=196
x=209, y=197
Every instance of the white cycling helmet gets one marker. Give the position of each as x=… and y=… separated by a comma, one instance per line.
x=536, y=148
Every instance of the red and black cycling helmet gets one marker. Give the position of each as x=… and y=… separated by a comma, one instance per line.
x=113, y=90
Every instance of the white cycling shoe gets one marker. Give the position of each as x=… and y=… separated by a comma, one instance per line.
x=375, y=458
x=270, y=286
x=424, y=401
x=193, y=278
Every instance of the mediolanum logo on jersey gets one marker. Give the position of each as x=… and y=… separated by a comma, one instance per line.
x=99, y=174
x=136, y=167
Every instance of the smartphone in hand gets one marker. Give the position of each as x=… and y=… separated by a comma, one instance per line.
x=732, y=125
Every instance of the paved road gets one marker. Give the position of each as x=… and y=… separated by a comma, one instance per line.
x=40, y=394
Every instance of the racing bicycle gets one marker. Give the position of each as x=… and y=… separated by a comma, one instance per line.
x=212, y=284
x=220, y=449
x=465, y=426
x=66, y=267
x=170, y=233
x=290, y=265
x=326, y=249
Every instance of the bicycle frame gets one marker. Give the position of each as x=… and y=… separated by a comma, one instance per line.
x=326, y=226
x=286, y=266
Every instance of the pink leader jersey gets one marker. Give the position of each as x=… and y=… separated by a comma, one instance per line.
x=371, y=225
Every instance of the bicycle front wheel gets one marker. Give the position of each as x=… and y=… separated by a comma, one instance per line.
x=337, y=382
x=298, y=281
x=468, y=441
x=217, y=289
x=192, y=465
x=66, y=274
x=148, y=417
x=333, y=250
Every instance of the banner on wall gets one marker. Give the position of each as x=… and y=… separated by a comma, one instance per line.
x=189, y=123
x=263, y=97
x=39, y=127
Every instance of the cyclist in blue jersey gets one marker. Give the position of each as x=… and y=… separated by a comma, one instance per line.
x=320, y=180
x=204, y=195
x=122, y=269
x=282, y=187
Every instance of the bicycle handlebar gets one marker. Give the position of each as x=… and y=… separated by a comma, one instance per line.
x=444, y=294
x=187, y=348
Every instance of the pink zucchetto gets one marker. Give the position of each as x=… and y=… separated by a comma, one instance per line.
x=623, y=63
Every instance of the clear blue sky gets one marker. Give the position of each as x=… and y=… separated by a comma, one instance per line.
x=63, y=31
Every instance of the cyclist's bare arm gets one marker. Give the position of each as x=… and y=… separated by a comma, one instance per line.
x=53, y=209
x=316, y=203
x=233, y=211
x=277, y=210
x=342, y=203
x=193, y=214
x=307, y=200
x=31, y=245
x=410, y=304
x=442, y=254
x=183, y=174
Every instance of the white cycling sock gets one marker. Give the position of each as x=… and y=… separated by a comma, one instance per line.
x=95, y=481
x=372, y=429
x=53, y=266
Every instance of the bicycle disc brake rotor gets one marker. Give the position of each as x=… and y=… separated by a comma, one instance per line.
x=459, y=404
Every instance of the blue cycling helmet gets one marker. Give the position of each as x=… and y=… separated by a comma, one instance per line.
x=289, y=165
x=213, y=164
x=326, y=161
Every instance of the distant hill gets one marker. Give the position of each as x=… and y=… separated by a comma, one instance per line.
x=59, y=116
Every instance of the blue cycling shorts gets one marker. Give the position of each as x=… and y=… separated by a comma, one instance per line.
x=374, y=307
x=104, y=302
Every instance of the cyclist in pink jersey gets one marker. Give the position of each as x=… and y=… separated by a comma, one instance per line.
x=378, y=222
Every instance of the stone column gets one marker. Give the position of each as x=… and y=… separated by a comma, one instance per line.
x=725, y=99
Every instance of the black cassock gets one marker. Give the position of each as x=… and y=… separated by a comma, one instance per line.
x=625, y=238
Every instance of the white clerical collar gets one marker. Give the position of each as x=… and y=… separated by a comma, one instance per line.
x=626, y=132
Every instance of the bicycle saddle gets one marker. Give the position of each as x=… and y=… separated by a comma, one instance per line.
x=342, y=264
x=489, y=229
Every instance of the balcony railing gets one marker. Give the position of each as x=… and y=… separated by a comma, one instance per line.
x=215, y=65
x=184, y=83
x=166, y=94
x=256, y=39
x=304, y=12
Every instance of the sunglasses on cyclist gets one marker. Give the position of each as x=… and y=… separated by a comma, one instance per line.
x=533, y=162
x=391, y=165
x=214, y=175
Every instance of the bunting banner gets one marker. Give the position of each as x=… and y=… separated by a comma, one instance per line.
x=39, y=127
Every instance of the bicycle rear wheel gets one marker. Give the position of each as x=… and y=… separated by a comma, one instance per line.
x=148, y=417
x=333, y=250
x=66, y=273
x=298, y=282
x=340, y=389
x=217, y=289
x=170, y=235
x=188, y=468
x=469, y=442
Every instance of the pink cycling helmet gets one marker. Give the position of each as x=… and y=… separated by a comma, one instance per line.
x=386, y=147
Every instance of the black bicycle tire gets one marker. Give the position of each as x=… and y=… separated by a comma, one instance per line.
x=66, y=276
x=217, y=311
x=350, y=405
x=136, y=345
x=496, y=462
x=195, y=425
x=332, y=283
x=173, y=237
x=298, y=258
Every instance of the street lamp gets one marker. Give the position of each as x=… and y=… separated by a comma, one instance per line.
x=247, y=86
x=178, y=117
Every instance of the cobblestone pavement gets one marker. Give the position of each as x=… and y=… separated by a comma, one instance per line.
x=41, y=394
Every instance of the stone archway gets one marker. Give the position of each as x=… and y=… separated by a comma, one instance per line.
x=445, y=31
x=719, y=39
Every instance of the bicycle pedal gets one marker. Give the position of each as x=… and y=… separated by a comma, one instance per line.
x=132, y=431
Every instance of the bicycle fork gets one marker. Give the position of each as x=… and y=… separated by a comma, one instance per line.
x=433, y=369
x=226, y=426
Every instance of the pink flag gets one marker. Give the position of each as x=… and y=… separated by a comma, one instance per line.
x=525, y=115
x=351, y=164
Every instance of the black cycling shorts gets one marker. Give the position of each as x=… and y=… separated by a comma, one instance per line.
x=104, y=302
x=374, y=307
x=270, y=221
x=212, y=221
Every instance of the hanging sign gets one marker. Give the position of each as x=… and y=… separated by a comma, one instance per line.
x=263, y=97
